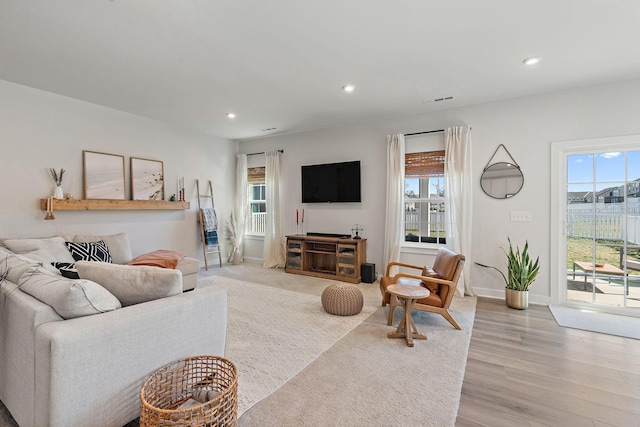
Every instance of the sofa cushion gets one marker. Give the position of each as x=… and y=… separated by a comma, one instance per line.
x=50, y=249
x=90, y=251
x=42, y=256
x=188, y=265
x=118, y=245
x=69, y=298
x=132, y=284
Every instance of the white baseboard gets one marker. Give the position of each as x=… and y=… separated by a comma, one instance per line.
x=499, y=294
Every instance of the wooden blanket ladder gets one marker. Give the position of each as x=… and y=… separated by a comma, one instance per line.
x=204, y=200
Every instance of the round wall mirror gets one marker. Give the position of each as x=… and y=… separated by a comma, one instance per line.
x=502, y=180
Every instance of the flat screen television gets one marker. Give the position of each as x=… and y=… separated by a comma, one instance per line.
x=331, y=183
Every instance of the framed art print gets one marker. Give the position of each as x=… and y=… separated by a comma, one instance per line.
x=147, y=179
x=103, y=175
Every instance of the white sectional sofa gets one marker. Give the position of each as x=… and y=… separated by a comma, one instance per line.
x=71, y=355
x=47, y=250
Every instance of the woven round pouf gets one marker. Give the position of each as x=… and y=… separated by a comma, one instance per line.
x=342, y=300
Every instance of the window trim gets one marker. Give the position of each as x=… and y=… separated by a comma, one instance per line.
x=420, y=160
x=559, y=152
x=250, y=202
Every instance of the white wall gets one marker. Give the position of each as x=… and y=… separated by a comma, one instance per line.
x=41, y=130
x=526, y=126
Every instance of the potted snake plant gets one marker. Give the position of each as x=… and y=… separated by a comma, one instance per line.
x=521, y=273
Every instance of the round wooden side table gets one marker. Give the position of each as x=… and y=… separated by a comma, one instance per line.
x=408, y=295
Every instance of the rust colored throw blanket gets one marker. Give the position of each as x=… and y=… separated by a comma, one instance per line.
x=161, y=258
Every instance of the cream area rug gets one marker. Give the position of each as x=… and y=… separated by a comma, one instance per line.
x=273, y=334
x=367, y=379
x=357, y=376
x=612, y=324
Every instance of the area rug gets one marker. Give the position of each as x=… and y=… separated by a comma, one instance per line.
x=273, y=334
x=367, y=379
x=624, y=326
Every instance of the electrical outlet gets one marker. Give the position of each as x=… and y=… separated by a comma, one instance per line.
x=522, y=216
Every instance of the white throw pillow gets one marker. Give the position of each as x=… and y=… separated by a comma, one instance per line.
x=52, y=249
x=15, y=265
x=42, y=256
x=118, y=245
x=69, y=298
x=132, y=284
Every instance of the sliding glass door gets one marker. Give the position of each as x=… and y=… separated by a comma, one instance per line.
x=599, y=246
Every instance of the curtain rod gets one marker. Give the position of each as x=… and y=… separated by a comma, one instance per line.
x=263, y=152
x=425, y=132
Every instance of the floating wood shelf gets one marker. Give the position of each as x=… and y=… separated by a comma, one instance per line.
x=112, y=205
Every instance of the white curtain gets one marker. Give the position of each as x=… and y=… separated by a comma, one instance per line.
x=395, y=198
x=458, y=199
x=241, y=201
x=274, y=254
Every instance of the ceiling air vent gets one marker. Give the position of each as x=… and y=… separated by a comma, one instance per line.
x=444, y=98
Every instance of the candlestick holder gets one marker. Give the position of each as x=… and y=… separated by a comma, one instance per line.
x=49, y=215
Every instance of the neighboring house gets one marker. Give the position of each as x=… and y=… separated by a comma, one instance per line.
x=578, y=197
x=633, y=189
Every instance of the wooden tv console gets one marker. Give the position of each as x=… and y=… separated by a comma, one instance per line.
x=328, y=257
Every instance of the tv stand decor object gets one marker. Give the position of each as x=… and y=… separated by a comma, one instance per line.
x=338, y=258
x=337, y=235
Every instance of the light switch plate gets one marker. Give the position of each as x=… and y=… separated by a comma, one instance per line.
x=522, y=216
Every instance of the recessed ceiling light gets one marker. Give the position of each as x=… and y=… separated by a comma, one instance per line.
x=231, y=115
x=348, y=88
x=531, y=60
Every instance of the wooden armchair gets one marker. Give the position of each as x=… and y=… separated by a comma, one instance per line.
x=441, y=280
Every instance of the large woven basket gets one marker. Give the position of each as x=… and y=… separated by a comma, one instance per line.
x=172, y=385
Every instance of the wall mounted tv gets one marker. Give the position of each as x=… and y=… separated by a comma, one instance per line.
x=331, y=183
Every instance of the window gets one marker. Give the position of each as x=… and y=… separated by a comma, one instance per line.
x=257, y=200
x=424, y=204
x=603, y=228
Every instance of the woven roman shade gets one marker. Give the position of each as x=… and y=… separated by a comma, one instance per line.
x=425, y=164
x=255, y=175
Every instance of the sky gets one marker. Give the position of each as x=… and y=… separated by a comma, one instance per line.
x=609, y=170
x=413, y=184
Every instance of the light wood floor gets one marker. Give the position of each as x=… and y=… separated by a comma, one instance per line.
x=525, y=370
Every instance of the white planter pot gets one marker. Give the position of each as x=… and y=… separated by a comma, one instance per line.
x=517, y=299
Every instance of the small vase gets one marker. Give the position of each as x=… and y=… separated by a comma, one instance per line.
x=237, y=257
x=58, y=193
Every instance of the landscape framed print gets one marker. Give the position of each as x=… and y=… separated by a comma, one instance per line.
x=103, y=175
x=147, y=179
